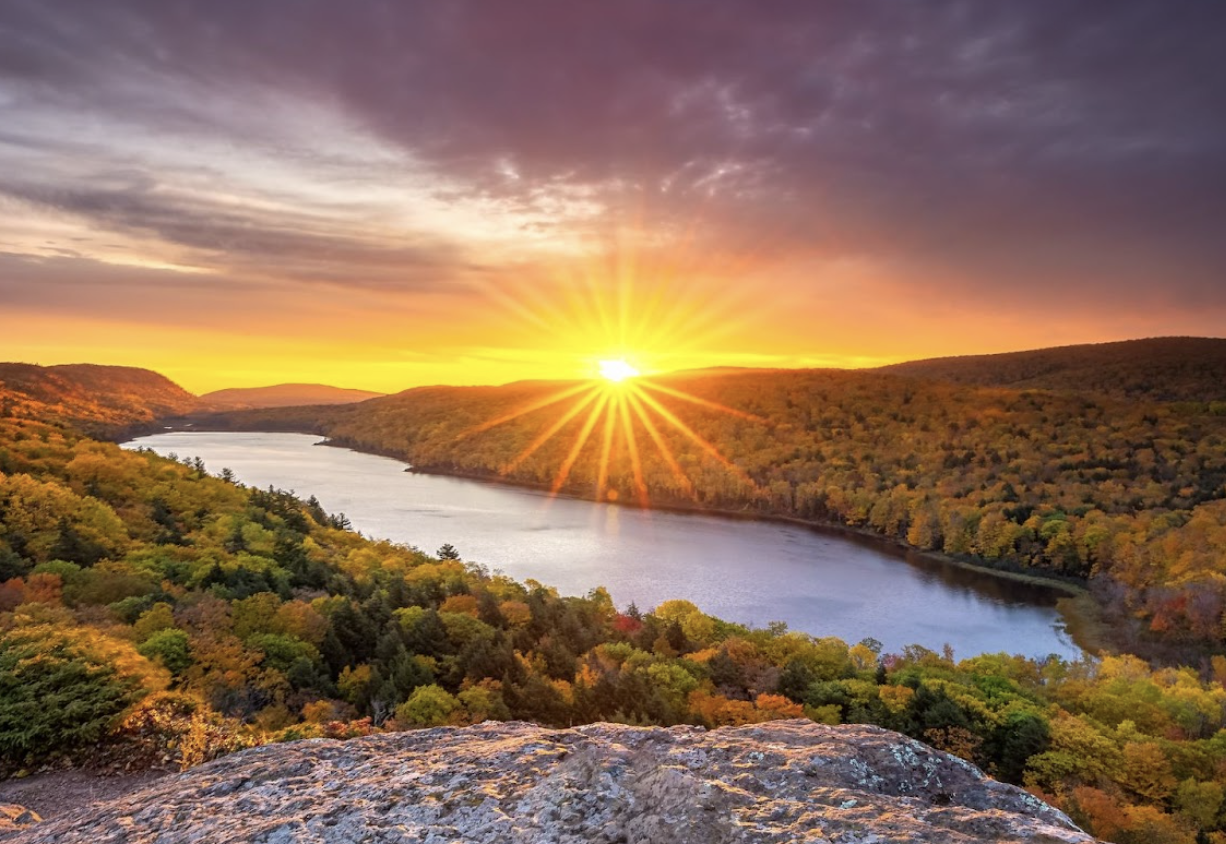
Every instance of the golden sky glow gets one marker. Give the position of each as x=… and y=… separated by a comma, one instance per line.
x=556, y=324
x=385, y=197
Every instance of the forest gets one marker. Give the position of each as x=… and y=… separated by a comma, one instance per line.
x=153, y=609
x=1125, y=495
x=1153, y=369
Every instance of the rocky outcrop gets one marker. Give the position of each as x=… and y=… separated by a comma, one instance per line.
x=789, y=781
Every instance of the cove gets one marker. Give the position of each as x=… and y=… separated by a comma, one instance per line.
x=744, y=571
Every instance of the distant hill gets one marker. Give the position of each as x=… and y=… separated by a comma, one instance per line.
x=281, y=395
x=1157, y=369
x=96, y=398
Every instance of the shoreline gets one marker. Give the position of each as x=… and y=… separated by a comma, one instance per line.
x=1078, y=612
x=1068, y=587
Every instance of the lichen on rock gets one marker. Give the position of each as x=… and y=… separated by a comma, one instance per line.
x=16, y=818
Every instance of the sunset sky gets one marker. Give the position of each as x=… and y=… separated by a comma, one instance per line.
x=388, y=194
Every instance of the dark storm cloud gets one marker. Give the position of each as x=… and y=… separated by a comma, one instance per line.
x=956, y=134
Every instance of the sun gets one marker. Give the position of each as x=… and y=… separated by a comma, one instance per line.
x=614, y=413
x=616, y=370
x=619, y=412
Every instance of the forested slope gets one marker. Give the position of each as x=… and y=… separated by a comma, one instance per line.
x=1129, y=493
x=1154, y=369
x=101, y=399
x=108, y=400
x=152, y=610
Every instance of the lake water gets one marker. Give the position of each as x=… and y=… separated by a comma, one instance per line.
x=744, y=571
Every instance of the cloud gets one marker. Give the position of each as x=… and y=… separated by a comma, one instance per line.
x=282, y=243
x=971, y=147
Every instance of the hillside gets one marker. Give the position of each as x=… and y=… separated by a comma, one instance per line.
x=1129, y=493
x=100, y=398
x=110, y=400
x=281, y=395
x=518, y=784
x=1155, y=369
x=171, y=616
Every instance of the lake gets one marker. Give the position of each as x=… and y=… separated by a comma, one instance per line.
x=752, y=572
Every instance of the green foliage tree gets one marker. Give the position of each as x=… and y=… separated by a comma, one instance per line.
x=60, y=689
x=428, y=706
x=169, y=646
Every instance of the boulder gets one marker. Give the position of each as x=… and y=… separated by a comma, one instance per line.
x=504, y=783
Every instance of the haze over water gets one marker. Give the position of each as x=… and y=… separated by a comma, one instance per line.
x=744, y=571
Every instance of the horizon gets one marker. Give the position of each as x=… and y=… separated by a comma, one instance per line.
x=389, y=198
x=597, y=375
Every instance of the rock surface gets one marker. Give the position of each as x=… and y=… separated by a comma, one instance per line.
x=54, y=794
x=788, y=781
x=16, y=818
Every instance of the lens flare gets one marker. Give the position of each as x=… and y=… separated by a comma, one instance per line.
x=636, y=303
x=614, y=404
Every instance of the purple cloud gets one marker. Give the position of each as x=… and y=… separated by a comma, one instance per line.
x=1054, y=145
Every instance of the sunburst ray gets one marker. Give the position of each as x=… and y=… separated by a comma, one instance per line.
x=606, y=446
x=548, y=434
x=692, y=435
x=662, y=446
x=580, y=441
x=684, y=396
x=540, y=404
x=632, y=448
x=641, y=296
